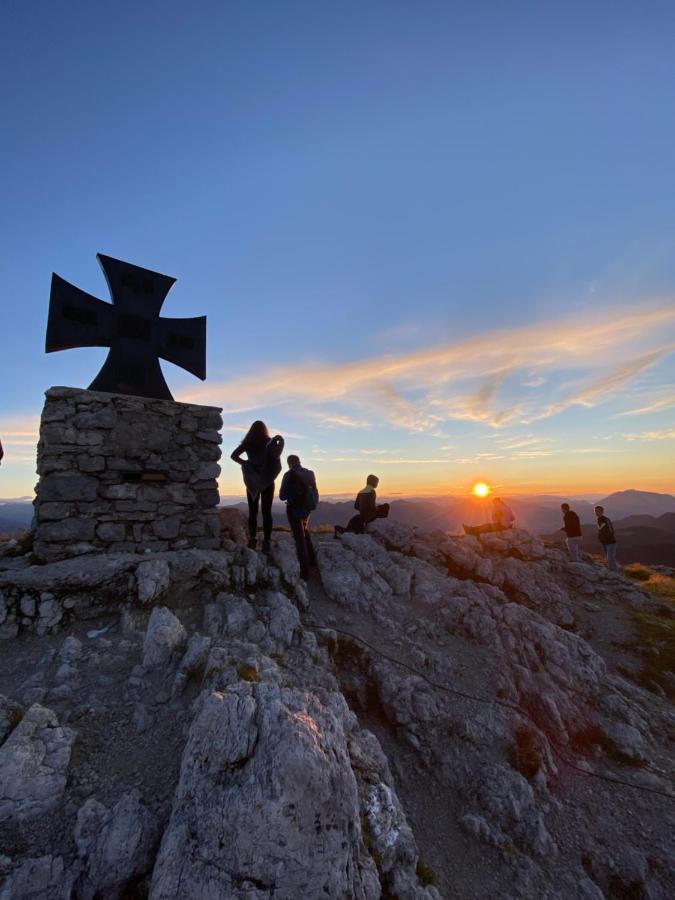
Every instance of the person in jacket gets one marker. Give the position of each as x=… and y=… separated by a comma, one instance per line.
x=502, y=519
x=299, y=490
x=607, y=538
x=259, y=470
x=368, y=510
x=572, y=528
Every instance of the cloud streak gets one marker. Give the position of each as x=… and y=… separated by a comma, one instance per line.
x=479, y=379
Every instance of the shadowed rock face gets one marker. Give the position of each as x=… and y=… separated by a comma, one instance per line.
x=203, y=724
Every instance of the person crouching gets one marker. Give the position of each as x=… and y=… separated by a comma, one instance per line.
x=368, y=510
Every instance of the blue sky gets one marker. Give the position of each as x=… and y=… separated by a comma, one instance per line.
x=423, y=234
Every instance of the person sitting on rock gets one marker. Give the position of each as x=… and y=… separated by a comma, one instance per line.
x=572, y=528
x=259, y=470
x=368, y=510
x=607, y=538
x=299, y=490
x=502, y=519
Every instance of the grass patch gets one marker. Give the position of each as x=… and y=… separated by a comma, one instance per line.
x=657, y=633
x=248, y=673
x=658, y=585
x=655, y=630
x=637, y=572
x=425, y=873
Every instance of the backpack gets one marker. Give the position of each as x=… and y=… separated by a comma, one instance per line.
x=305, y=493
x=609, y=533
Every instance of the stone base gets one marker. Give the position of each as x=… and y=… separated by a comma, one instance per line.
x=125, y=474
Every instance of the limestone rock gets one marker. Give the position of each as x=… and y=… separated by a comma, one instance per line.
x=193, y=663
x=163, y=636
x=38, y=878
x=233, y=525
x=116, y=845
x=152, y=579
x=33, y=765
x=267, y=803
x=10, y=716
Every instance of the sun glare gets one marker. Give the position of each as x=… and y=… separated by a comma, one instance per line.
x=481, y=489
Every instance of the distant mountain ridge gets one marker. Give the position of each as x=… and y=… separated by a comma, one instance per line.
x=645, y=520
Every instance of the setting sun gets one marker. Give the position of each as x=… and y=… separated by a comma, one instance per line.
x=481, y=489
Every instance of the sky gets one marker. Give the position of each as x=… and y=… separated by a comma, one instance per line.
x=434, y=241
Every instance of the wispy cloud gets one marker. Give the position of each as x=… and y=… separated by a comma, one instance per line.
x=588, y=395
x=655, y=405
x=478, y=379
x=665, y=434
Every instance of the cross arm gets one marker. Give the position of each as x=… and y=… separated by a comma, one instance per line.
x=183, y=342
x=76, y=319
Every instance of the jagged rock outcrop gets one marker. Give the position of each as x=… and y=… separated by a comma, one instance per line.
x=416, y=722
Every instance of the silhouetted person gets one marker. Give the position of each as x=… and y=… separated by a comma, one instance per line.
x=259, y=469
x=502, y=519
x=572, y=528
x=299, y=490
x=607, y=538
x=2, y=452
x=368, y=510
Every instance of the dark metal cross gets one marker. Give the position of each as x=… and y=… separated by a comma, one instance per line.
x=131, y=326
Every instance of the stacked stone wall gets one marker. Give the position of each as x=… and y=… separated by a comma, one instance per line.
x=125, y=474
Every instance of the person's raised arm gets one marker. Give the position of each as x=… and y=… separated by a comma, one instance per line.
x=235, y=456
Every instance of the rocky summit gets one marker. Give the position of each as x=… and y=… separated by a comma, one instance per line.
x=430, y=716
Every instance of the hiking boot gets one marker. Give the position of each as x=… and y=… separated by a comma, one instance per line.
x=267, y=547
x=252, y=543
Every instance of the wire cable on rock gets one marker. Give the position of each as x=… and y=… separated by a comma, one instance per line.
x=488, y=702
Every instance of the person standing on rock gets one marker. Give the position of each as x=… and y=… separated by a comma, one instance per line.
x=299, y=490
x=572, y=528
x=607, y=538
x=259, y=469
x=368, y=510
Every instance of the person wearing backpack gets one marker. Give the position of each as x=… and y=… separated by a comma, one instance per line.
x=299, y=490
x=259, y=469
x=607, y=538
x=368, y=510
x=572, y=528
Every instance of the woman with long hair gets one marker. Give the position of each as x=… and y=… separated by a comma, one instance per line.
x=259, y=469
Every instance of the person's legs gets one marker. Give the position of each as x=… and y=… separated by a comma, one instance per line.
x=610, y=553
x=266, y=497
x=488, y=528
x=574, y=546
x=311, y=555
x=356, y=524
x=298, y=531
x=253, y=502
x=382, y=511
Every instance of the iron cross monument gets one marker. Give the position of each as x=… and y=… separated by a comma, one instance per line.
x=130, y=326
